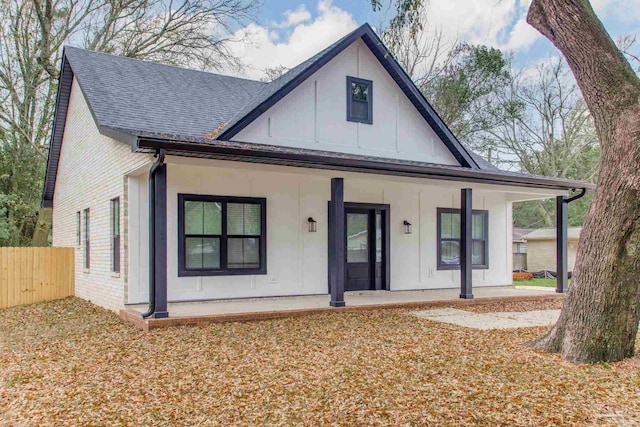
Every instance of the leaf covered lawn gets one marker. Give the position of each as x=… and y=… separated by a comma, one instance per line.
x=70, y=363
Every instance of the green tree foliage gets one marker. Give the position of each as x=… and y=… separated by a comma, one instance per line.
x=540, y=213
x=458, y=79
x=462, y=93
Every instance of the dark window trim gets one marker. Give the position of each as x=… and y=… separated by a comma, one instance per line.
x=115, y=239
x=87, y=246
x=485, y=213
x=184, y=272
x=351, y=117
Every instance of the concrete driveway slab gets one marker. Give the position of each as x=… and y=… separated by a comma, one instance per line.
x=495, y=320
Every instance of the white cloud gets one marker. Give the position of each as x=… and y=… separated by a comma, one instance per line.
x=522, y=36
x=306, y=37
x=620, y=11
x=294, y=17
x=497, y=23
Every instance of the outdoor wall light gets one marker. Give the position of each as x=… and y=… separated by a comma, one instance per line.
x=407, y=227
x=312, y=225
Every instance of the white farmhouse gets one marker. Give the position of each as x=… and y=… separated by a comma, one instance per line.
x=337, y=176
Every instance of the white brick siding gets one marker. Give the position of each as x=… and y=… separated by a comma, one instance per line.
x=91, y=172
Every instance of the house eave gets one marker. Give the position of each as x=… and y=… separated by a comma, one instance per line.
x=65, y=81
x=309, y=159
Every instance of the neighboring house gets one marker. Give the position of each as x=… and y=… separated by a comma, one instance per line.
x=541, y=248
x=520, y=248
x=250, y=189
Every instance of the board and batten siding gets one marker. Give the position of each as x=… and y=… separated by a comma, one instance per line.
x=313, y=116
x=91, y=172
x=297, y=259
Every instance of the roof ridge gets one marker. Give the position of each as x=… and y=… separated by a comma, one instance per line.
x=160, y=64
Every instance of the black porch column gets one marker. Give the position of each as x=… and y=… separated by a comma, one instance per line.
x=561, y=245
x=466, y=220
x=160, y=233
x=337, y=240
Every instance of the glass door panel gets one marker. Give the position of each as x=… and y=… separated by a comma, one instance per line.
x=357, y=237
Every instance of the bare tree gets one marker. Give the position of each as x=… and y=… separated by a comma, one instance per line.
x=629, y=47
x=544, y=125
x=424, y=55
x=196, y=33
x=272, y=73
x=599, y=318
x=408, y=13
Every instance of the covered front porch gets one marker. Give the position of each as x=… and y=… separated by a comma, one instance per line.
x=305, y=211
x=252, y=309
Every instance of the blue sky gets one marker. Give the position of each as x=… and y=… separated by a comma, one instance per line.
x=273, y=10
x=289, y=31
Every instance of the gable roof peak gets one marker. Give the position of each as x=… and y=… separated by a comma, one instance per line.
x=280, y=87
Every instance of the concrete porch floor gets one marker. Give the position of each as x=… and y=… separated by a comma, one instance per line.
x=202, y=312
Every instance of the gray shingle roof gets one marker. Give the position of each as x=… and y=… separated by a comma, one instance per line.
x=145, y=96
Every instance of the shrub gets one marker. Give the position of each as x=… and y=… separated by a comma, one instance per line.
x=522, y=276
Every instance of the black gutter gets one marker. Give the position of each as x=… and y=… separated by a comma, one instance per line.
x=160, y=154
x=562, y=240
x=562, y=257
x=317, y=161
x=577, y=196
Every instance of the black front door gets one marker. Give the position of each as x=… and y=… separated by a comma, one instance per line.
x=364, y=248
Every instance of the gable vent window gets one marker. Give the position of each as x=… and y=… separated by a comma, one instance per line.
x=359, y=100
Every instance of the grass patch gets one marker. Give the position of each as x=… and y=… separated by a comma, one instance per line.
x=70, y=363
x=547, y=283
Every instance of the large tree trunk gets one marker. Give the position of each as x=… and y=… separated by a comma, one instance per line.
x=43, y=227
x=599, y=320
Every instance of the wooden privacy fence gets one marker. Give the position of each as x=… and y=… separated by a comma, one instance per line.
x=29, y=275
